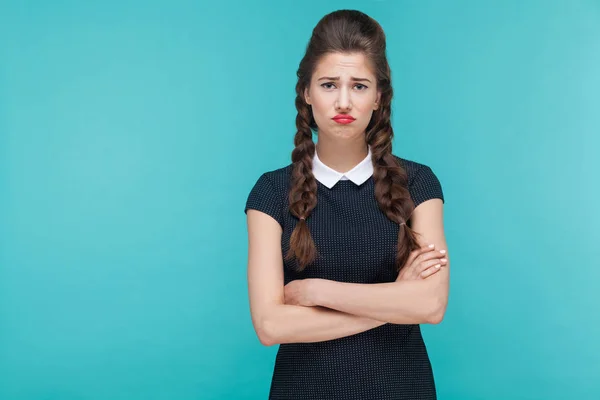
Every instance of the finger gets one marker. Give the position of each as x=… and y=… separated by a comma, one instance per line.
x=414, y=262
x=430, y=271
x=430, y=255
x=422, y=250
x=443, y=261
x=412, y=256
x=427, y=264
x=425, y=248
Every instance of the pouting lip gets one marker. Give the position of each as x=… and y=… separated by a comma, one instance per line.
x=342, y=116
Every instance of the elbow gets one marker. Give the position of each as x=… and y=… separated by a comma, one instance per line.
x=264, y=338
x=437, y=311
x=436, y=318
x=265, y=333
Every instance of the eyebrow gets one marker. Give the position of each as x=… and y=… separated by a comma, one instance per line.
x=335, y=78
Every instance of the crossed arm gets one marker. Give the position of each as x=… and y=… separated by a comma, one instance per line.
x=339, y=309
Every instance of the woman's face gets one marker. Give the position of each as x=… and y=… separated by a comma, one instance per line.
x=342, y=84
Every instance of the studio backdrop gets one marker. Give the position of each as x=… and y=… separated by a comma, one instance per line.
x=132, y=131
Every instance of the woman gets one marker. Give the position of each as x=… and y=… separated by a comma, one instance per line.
x=340, y=273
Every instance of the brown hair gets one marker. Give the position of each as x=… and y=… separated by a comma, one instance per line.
x=348, y=31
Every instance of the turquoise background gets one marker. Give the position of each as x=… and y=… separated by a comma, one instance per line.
x=132, y=131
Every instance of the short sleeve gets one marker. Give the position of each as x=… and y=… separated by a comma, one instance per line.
x=425, y=186
x=265, y=198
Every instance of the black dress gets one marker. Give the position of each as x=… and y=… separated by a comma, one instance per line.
x=357, y=243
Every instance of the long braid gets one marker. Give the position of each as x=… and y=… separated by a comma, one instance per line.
x=391, y=191
x=303, y=193
x=348, y=31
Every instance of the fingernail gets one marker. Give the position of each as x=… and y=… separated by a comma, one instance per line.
x=443, y=251
x=438, y=265
x=431, y=246
x=443, y=260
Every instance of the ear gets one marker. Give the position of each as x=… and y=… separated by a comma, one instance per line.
x=377, y=101
x=306, y=96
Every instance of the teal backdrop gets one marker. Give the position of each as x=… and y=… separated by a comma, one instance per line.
x=132, y=131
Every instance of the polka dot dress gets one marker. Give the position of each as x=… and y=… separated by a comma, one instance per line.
x=356, y=243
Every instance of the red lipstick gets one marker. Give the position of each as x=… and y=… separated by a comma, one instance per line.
x=343, y=119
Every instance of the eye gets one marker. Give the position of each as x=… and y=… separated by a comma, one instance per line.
x=360, y=86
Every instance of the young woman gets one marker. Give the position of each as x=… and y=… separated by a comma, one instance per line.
x=340, y=271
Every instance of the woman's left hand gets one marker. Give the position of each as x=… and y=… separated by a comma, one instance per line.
x=298, y=292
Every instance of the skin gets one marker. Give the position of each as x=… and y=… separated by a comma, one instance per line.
x=422, y=263
x=405, y=301
x=340, y=146
x=314, y=310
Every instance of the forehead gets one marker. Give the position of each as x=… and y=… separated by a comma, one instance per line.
x=343, y=64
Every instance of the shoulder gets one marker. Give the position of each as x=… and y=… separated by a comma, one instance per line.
x=279, y=178
x=269, y=193
x=412, y=168
x=423, y=183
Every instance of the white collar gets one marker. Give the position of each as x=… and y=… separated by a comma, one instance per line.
x=329, y=177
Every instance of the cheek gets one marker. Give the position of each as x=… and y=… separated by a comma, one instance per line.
x=320, y=110
x=322, y=104
x=364, y=104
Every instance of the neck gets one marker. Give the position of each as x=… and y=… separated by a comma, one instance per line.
x=341, y=156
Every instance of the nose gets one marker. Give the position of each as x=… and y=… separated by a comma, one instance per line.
x=343, y=102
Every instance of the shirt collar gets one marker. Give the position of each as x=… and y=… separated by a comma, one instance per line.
x=329, y=177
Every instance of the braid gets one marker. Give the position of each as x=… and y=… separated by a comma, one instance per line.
x=391, y=184
x=348, y=31
x=303, y=192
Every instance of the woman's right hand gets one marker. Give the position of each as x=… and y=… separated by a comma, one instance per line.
x=422, y=263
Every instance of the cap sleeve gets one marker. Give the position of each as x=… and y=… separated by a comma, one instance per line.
x=265, y=198
x=425, y=186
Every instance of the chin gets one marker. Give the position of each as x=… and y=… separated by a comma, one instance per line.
x=346, y=133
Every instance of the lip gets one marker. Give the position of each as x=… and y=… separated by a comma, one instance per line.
x=343, y=119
